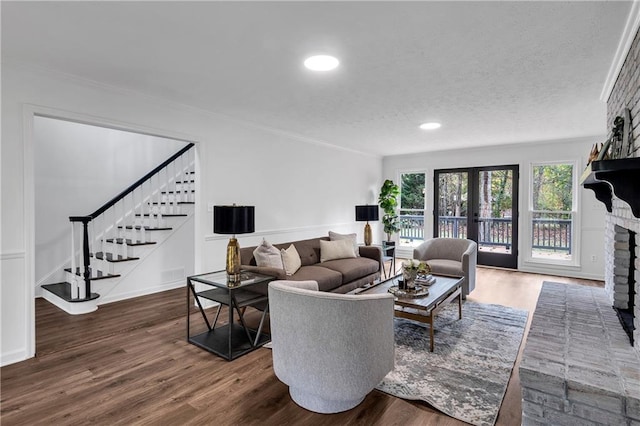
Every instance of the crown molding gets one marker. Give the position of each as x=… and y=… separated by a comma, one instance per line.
x=179, y=106
x=629, y=33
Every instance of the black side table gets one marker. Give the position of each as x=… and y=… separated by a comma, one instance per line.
x=230, y=340
x=389, y=253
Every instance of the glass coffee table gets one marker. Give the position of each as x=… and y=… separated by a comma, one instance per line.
x=424, y=309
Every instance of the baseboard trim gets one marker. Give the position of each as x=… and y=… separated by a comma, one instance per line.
x=14, y=356
x=146, y=291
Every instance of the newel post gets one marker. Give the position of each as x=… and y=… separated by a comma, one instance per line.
x=86, y=261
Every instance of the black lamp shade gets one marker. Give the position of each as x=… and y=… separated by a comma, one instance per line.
x=366, y=213
x=233, y=219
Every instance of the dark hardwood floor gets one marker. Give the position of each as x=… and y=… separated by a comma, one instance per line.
x=129, y=363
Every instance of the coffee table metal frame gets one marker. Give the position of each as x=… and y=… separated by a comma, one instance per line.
x=424, y=309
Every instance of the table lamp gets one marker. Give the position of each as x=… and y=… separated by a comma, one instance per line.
x=367, y=213
x=233, y=220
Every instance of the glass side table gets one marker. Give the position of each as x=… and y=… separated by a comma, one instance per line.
x=232, y=339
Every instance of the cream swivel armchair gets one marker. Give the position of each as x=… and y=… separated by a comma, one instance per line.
x=330, y=349
x=451, y=256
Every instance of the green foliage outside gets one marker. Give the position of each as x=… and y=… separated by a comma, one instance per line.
x=552, y=191
x=552, y=187
x=412, y=196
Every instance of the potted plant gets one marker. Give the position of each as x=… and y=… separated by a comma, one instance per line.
x=388, y=200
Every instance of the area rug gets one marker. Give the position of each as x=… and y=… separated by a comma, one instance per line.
x=466, y=376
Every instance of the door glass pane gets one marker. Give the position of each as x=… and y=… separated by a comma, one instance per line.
x=552, y=212
x=495, y=200
x=452, y=204
x=412, y=193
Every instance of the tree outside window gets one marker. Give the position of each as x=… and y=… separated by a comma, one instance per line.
x=552, y=214
x=412, y=196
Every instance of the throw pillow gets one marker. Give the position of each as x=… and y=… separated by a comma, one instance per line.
x=291, y=260
x=339, y=249
x=267, y=255
x=334, y=236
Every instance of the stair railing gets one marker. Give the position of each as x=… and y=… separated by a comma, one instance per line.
x=119, y=214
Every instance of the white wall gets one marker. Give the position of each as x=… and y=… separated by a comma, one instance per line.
x=77, y=169
x=590, y=223
x=298, y=187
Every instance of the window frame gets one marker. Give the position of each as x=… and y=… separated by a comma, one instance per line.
x=407, y=250
x=574, y=262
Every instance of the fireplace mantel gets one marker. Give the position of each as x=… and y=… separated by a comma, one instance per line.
x=623, y=176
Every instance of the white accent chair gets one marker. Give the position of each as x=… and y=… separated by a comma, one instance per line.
x=330, y=349
x=451, y=256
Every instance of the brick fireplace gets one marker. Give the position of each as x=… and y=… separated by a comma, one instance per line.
x=622, y=266
x=579, y=366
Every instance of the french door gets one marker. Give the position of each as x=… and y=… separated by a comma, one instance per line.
x=481, y=204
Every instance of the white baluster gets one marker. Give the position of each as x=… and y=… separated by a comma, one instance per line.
x=82, y=290
x=142, y=231
x=116, y=231
x=124, y=226
x=73, y=250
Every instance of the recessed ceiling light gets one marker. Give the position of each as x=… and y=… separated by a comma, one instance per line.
x=430, y=126
x=321, y=63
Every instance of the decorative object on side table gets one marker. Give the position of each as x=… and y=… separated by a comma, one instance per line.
x=233, y=220
x=367, y=213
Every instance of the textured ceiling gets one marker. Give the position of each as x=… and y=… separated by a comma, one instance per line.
x=491, y=72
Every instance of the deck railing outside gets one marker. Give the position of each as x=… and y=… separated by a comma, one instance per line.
x=547, y=233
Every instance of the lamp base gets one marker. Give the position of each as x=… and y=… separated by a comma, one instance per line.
x=367, y=235
x=233, y=261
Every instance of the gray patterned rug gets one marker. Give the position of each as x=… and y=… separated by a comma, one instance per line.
x=466, y=376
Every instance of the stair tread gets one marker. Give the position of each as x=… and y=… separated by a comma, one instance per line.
x=99, y=274
x=178, y=192
x=177, y=202
x=130, y=242
x=185, y=181
x=63, y=291
x=111, y=257
x=146, y=228
x=164, y=215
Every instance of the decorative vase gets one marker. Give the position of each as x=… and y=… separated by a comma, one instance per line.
x=409, y=276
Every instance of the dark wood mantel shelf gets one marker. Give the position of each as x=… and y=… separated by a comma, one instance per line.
x=622, y=176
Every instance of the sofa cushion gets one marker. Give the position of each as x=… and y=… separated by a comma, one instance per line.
x=352, y=269
x=339, y=249
x=326, y=278
x=446, y=267
x=291, y=260
x=268, y=256
x=333, y=236
x=309, y=250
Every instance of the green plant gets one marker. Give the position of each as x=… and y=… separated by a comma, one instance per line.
x=388, y=200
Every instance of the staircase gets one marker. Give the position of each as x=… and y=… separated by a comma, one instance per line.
x=111, y=242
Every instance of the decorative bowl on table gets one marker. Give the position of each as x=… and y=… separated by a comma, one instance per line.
x=402, y=292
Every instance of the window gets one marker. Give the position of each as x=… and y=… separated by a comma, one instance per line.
x=412, y=196
x=552, y=212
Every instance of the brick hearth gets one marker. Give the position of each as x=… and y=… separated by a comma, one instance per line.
x=578, y=366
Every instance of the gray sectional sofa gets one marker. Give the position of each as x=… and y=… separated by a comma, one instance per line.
x=337, y=276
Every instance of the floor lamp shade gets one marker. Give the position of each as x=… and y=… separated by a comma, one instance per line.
x=233, y=220
x=367, y=213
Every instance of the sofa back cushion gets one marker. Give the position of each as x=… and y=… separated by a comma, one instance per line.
x=309, y=251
